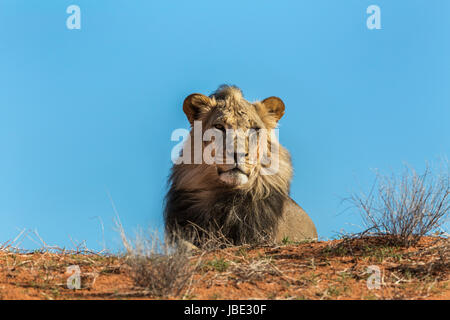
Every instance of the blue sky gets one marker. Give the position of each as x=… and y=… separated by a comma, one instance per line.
x=87, y=113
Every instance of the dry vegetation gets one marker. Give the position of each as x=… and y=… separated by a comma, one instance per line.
x=335, y=269
x=405, y=207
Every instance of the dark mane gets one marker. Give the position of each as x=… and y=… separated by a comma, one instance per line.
x=235, y=215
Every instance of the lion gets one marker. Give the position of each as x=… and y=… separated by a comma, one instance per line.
x=234, y=199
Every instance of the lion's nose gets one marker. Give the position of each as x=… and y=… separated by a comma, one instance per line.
x=239, y=157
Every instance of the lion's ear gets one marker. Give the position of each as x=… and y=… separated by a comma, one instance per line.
x=196, y=104
x=274, y=106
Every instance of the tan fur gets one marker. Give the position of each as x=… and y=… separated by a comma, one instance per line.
x=196, y=189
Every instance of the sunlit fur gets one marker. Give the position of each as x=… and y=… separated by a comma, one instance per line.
x=199, y=201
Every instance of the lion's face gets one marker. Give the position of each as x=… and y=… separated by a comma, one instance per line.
x=237, y=134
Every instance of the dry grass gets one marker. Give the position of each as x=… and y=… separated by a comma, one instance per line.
x=254, y=270
x=196, y=237
x=161, y=275
x=322, y=270
x=159, y=268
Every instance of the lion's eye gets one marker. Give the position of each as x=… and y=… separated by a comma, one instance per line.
x=219, y=127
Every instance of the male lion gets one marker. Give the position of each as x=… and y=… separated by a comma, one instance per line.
x=235, y=199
